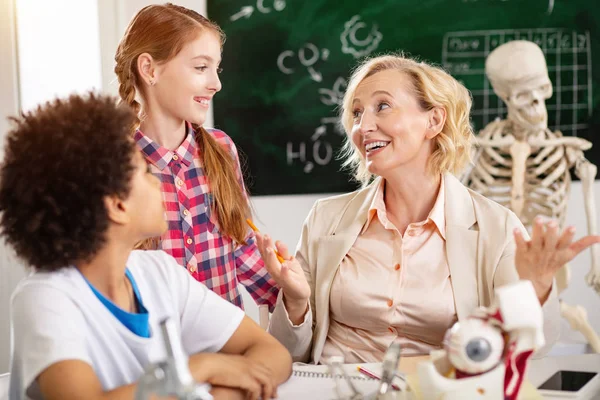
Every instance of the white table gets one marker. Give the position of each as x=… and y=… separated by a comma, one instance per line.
x=539, y=371
x=542, y=369
x=4, y=378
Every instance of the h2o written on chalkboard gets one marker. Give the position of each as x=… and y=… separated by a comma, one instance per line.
x=286, y=65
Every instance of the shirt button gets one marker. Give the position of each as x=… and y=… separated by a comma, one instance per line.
x=175, y=157
x=390, y=303
x=189, y=241
x=179, y=182
x=186, y=212
x=192, y=268
x=397, y=267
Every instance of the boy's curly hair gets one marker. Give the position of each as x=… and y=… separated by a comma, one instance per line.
x=61, y=161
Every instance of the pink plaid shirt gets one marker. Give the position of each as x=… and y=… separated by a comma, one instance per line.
x=193, y=237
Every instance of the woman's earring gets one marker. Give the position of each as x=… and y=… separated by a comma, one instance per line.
x=151, y=82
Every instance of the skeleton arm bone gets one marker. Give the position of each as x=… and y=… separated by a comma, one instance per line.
x=570, y=142
x=577, y=318
x=586, y=171
x=507, y=141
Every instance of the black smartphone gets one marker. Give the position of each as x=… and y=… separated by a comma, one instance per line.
x=568, y=381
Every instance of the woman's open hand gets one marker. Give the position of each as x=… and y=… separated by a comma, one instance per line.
x=540, y=258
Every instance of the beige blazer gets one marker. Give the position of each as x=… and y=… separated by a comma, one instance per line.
x=479, y=246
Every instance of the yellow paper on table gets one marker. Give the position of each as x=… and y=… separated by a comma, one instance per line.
x=528, y=391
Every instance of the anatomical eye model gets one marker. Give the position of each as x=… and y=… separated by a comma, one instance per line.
x=487, y=354
x=474, y=346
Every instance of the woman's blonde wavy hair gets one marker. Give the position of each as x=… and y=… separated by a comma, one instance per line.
x=433, y=87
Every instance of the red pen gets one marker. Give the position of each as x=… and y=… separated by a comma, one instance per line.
x=372, y=375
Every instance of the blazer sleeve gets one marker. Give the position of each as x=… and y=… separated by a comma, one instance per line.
x=506, y=273
x=298, y=339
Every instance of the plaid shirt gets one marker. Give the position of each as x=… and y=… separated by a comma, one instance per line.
x=193, y=237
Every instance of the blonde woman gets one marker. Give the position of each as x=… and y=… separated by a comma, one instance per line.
x=414, y=250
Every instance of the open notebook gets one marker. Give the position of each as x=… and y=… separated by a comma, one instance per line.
x=314, y=382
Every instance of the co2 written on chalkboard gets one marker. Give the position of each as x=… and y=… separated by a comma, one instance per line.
x=286, y=65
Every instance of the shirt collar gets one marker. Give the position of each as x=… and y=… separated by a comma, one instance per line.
x=161, y=156
x=377, y=207
x=436, y=215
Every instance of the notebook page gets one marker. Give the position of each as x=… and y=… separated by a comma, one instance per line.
x=314, y=382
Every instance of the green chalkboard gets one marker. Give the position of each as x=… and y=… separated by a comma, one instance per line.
x=286, y=64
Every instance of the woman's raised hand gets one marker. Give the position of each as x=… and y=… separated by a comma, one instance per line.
x=540, y=258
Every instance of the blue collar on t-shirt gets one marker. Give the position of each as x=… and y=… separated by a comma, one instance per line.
x=137, y=323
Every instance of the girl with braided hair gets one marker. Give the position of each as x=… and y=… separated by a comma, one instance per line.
x=167, y=64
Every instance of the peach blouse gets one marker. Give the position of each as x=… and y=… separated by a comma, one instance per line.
x=392, y=286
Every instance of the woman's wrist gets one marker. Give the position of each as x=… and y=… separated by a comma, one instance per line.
x=296, y=309
x=542, y=290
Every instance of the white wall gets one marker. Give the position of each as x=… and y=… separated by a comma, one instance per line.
x=9, y=90
x=10, y=270
x=578, y=292
x=41, y=26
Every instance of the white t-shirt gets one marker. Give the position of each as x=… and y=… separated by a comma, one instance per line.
x=56, y=316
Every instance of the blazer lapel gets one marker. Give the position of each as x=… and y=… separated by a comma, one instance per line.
x=462, y=237
x=332, y=249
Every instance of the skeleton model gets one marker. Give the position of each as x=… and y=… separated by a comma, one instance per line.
x=524, y=166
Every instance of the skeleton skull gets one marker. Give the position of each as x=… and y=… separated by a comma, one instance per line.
x=518, y=73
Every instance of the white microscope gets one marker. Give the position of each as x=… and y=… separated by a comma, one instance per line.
x=171, y=378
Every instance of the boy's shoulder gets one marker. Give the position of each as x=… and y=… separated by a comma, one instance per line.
x=48, y=287
x=155, y=267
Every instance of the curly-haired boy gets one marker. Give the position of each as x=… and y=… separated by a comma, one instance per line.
x=76, y=196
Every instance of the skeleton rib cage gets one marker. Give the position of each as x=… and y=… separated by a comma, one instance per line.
x=542, y=188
